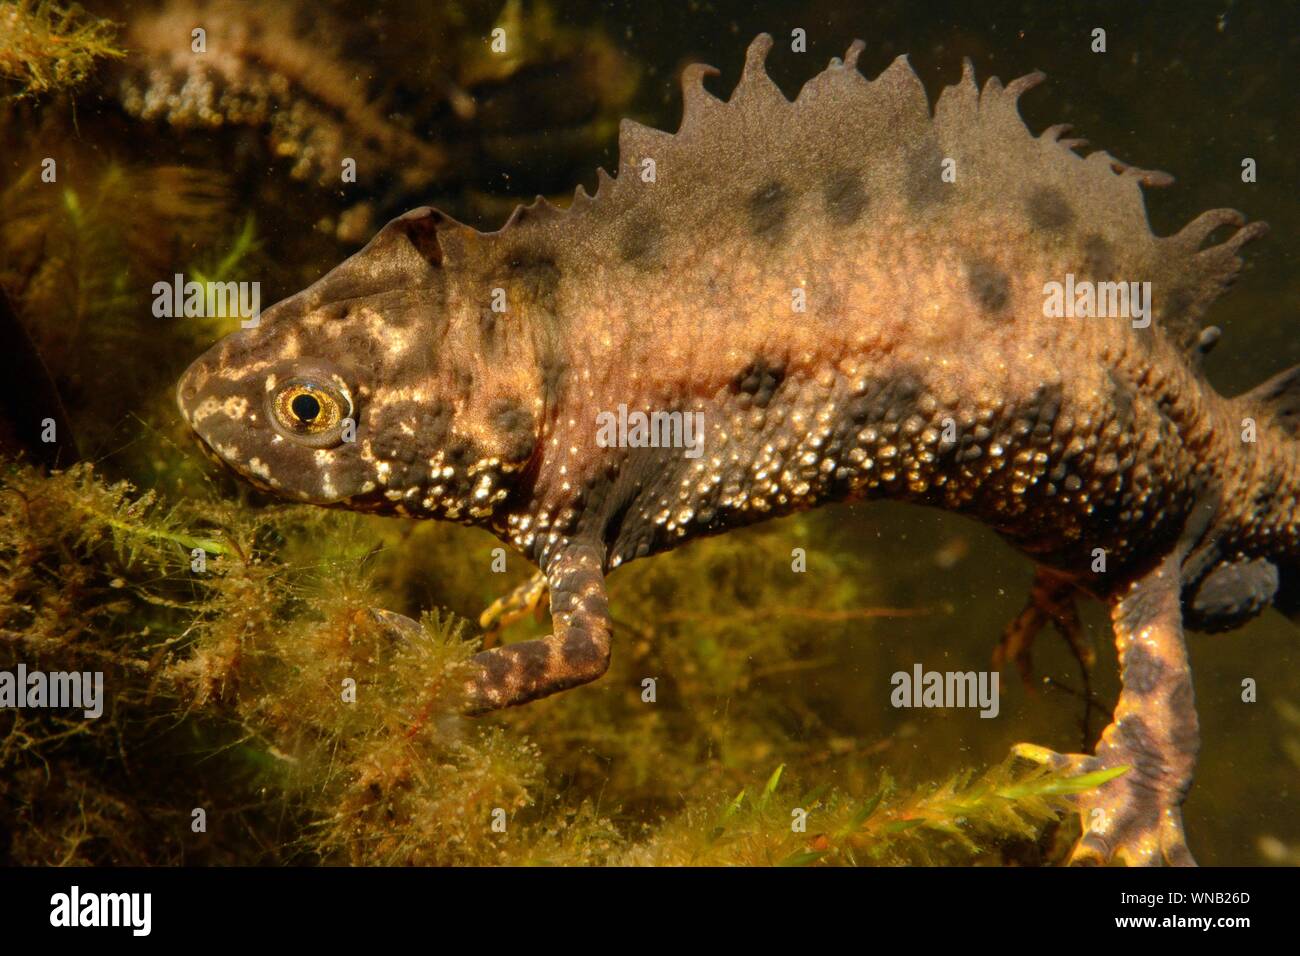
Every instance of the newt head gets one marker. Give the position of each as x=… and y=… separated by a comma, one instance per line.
x=348, y=393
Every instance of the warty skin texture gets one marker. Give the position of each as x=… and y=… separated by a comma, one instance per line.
x=850, y=326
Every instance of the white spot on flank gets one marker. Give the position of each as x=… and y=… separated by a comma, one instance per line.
x=259, y=468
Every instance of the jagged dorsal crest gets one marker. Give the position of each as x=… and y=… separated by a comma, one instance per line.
x=866, y=146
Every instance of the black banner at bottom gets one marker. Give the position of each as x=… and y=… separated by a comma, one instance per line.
x=498, y=906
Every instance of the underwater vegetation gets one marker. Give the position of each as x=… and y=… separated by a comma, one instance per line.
x=248, y=675
x=307, y=94
x=46, y=47
x=226, y=695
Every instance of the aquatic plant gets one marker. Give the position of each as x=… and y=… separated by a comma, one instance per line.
x=250, y=679
x=289, y=72
x=965, y=819
x=78, y=258
x=46, y=47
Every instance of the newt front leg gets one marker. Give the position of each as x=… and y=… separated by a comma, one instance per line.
x=576, y=653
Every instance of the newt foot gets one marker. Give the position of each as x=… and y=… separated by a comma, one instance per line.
x=1125, y=821
x=526, y=599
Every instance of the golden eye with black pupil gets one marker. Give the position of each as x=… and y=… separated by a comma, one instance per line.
x=310, y=412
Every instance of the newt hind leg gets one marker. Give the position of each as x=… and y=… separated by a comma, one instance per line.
x=1136, y=818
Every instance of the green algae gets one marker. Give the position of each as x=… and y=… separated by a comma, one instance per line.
x=48, y=47
x=250, y=679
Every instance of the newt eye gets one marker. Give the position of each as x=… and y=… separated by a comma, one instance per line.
x=310, y=412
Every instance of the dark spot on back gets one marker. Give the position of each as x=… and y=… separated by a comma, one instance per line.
x=769, y=209
x=640, y=240
x=923, y=167
x=759, y=380
x=1098, y=258
x=844, y=197
x=988, y=284
x=511, y=419
x=536, y=277
x=1048, y=209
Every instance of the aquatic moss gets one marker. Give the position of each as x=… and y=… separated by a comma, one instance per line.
x=46, y=47
x=264, y=690
x=964, y=820
x=91, y=584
